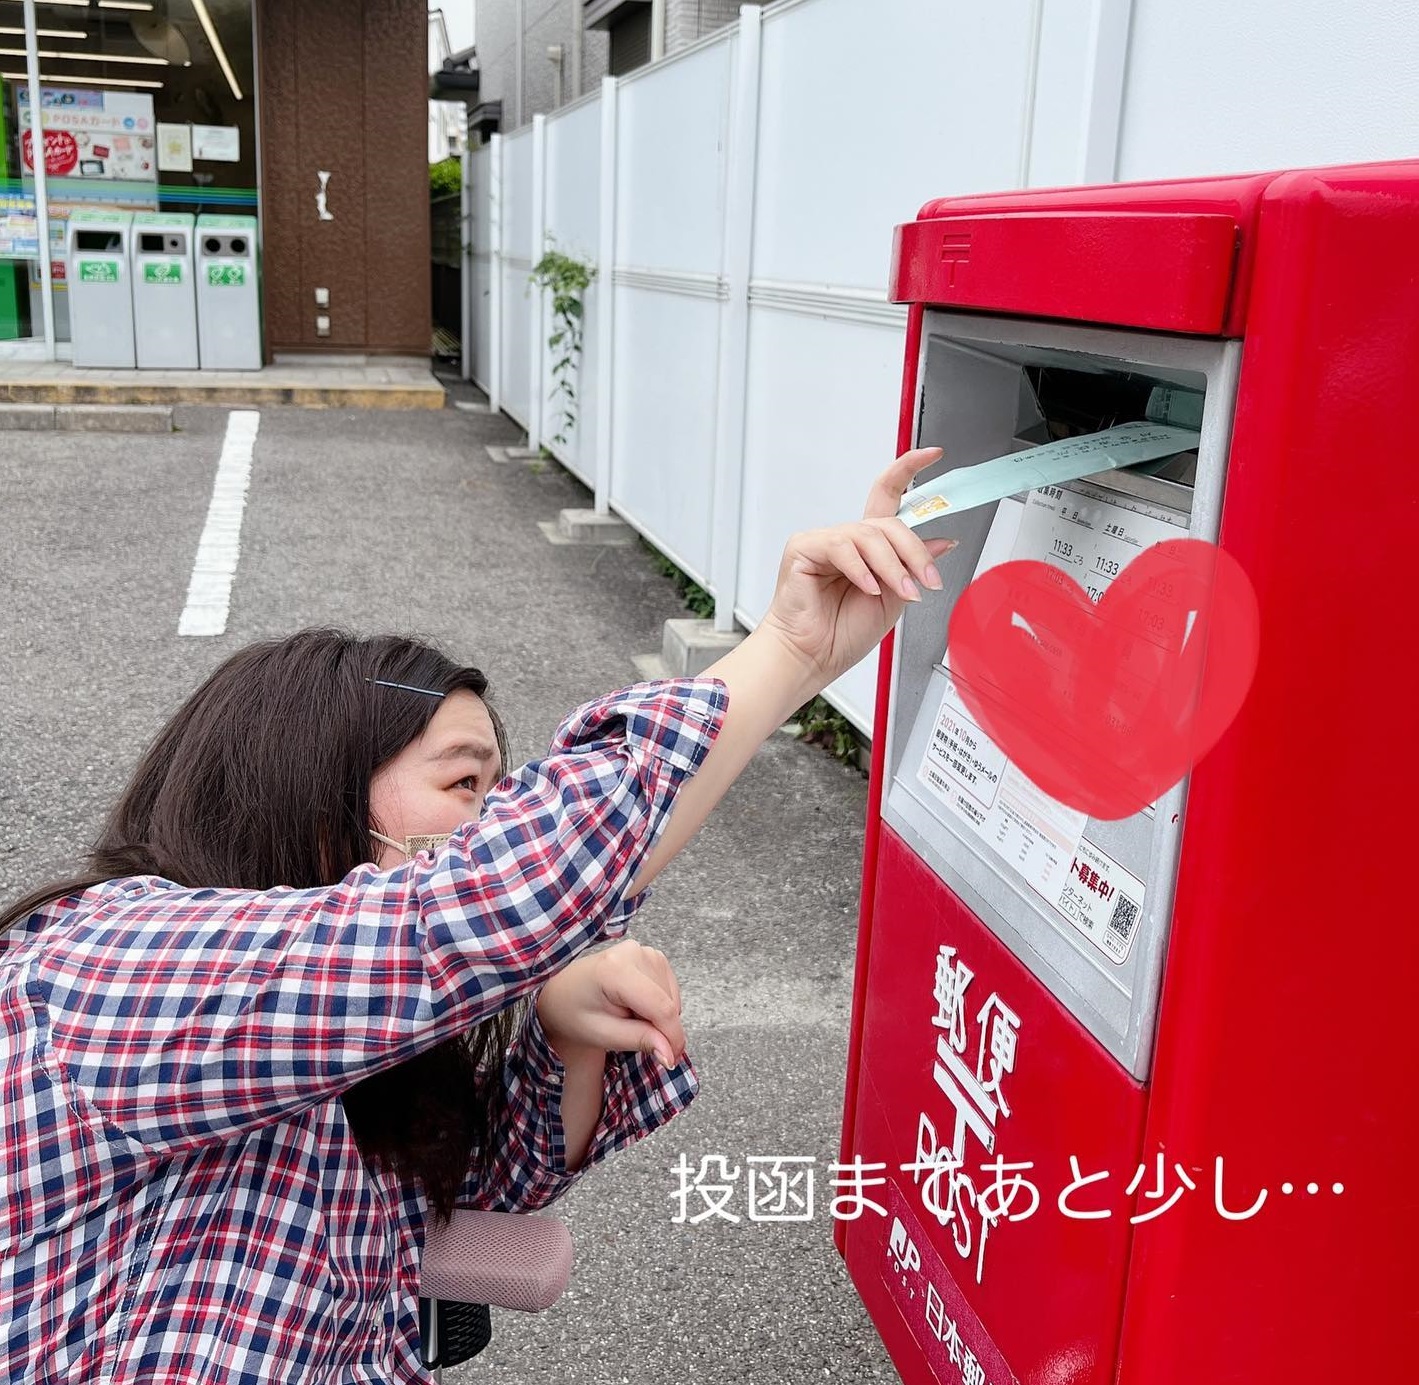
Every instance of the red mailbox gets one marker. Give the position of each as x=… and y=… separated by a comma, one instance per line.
x=1138, y=1092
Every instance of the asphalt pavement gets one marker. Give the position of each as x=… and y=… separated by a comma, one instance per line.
x=400, y=521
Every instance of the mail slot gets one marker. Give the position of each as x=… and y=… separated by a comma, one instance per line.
x=1093, y=1056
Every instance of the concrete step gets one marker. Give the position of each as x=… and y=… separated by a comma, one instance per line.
x=503, y=455
x=588, y=527
x=687, y=649
x=689, y=646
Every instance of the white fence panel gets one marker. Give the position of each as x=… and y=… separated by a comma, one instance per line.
x=831, y=185
x=739, y=381
x=672, y=126
x=481, y=288
x=573, y=213
x=1218, y=87
x=825, y=355
x=516, y=264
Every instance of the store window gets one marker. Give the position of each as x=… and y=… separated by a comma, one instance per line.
x=145, y=105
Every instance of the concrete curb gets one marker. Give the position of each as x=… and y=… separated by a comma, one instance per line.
x=27, y=418
x=113, y=418
x=86, y=418
x=302, y=396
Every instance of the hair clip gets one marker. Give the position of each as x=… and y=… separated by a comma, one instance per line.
x=404, y=687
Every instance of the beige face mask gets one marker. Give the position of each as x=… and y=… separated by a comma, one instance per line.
x=412, y=846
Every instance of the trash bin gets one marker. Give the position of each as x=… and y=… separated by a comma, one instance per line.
x=164, y=302
x=228, y=293
x=100, y=288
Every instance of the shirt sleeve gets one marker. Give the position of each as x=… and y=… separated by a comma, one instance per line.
x=188, y=1016
x=529, y=1169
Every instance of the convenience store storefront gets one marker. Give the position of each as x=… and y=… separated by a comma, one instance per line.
x=311, y=115
x=137, y=105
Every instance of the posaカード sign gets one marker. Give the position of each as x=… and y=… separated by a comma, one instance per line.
x=1132, y=1020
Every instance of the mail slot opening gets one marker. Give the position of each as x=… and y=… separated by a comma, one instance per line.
x=111, y=241
x=986, y=398
x=152, y=242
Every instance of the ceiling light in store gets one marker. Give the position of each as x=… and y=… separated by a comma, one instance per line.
x=47, y=33
x=123, y=5
x=210, y=30
x=65, y=79
x=74, y=57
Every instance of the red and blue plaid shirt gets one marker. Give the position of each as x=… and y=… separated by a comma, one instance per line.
x=181, y=1197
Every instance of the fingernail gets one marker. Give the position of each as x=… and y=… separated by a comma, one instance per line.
x=931, y=577
x=909, y=590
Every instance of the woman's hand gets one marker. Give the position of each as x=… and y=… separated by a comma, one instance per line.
x=621, y=999
x=840, y=590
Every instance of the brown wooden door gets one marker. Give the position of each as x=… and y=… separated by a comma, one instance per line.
x=344, y=92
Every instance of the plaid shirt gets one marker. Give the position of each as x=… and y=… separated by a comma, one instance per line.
x=181, y=1197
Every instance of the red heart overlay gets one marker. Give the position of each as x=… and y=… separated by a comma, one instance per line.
x=1107, y=706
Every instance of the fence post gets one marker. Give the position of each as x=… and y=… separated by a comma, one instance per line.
x=465, y=263
x=538, y=344
x=606, y=298
x=742, y=160
x=1109, y=22
x=495, y=282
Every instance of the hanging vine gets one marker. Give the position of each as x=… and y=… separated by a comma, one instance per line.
x=567, y=279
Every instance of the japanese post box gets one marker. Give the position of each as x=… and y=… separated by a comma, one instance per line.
x=1128, y=1099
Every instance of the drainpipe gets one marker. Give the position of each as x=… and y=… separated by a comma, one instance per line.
x=657, y=30
x=578, y=27
x=519, y=58
x=555, y=55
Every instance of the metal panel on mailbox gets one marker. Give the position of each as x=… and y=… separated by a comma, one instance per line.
x=1084, y=903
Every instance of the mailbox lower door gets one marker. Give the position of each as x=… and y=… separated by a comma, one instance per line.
x=994, y=1247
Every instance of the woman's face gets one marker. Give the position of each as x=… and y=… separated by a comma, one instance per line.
x=437, y=782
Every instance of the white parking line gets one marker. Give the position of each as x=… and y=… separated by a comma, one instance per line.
x=210, y=590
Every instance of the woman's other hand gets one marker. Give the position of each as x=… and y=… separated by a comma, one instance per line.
x=621, y=999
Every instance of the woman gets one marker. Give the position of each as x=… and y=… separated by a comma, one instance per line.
x=271, y=1031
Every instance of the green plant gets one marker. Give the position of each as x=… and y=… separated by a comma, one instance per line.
x=445, y=178
x=696, y=599
x=567, y=279
x=821, y=724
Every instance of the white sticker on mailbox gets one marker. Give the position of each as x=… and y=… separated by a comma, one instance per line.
x=1102, y=899
x=971, y=775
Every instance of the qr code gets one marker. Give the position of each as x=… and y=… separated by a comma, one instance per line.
x=1121, y=922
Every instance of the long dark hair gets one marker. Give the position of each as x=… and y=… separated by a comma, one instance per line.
x=262, y=779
